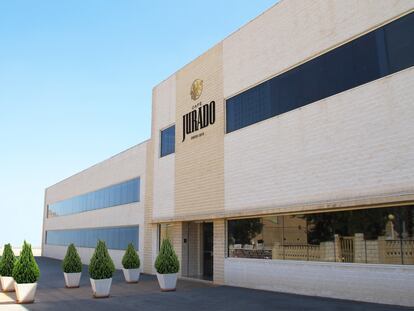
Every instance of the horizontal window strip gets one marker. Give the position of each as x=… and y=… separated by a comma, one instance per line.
x=377, y=54
x=119, y=194
x=114, y=237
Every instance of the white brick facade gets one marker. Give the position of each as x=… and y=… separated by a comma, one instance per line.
x=350, y=150
x=164, y=168
x=124, y=166
x=386, y=284
x=293, y=31
x=354, y=144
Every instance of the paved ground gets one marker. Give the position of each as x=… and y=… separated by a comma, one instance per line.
x=51, y=295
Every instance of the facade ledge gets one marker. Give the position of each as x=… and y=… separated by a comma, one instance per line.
x=328, y=206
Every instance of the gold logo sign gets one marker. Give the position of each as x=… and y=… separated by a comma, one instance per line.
x=196, y=89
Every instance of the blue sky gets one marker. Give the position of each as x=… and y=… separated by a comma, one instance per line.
x=76, y=78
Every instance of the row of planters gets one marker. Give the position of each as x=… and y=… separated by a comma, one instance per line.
x=19, y=274
x=101, y=268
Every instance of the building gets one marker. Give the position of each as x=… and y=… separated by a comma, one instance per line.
x=280, y=159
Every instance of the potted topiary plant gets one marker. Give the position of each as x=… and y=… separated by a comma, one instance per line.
x=130, y=263
x=72, y=267
x=6, y=269
x=167, y=266
x=101, y=269
x=25, y=273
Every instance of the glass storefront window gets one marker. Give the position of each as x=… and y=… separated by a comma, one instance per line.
x=376, y=235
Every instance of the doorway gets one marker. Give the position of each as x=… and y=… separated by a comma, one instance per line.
x=197, y=251
x=208, y=250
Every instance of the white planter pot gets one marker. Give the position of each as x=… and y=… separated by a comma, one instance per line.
x=72, y=279
x=7, y=283
x=168, y=282
x=25, y=293
x=131, y=275
x=101, y=288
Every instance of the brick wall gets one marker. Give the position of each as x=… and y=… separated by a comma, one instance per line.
x=373, y=283
x=219, y=250
x=199, y=163
x=164, y=101
x=126, y=165
x=356, y=144
x=295, y=30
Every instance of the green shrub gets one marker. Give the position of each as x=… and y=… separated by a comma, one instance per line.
x=101, y=265
x=131, y=258
x=167, y=260
x=25, y=268
x=72, y=262
x=7, y=261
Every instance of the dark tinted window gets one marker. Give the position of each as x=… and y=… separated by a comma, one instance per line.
x=372, y=56
x=168, y=141
x=115, y=238
x=399, y=39
x=119, y=194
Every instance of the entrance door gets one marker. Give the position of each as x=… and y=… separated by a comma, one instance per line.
x=208, y=250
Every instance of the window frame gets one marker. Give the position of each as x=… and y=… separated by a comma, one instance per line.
x=160, y=155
